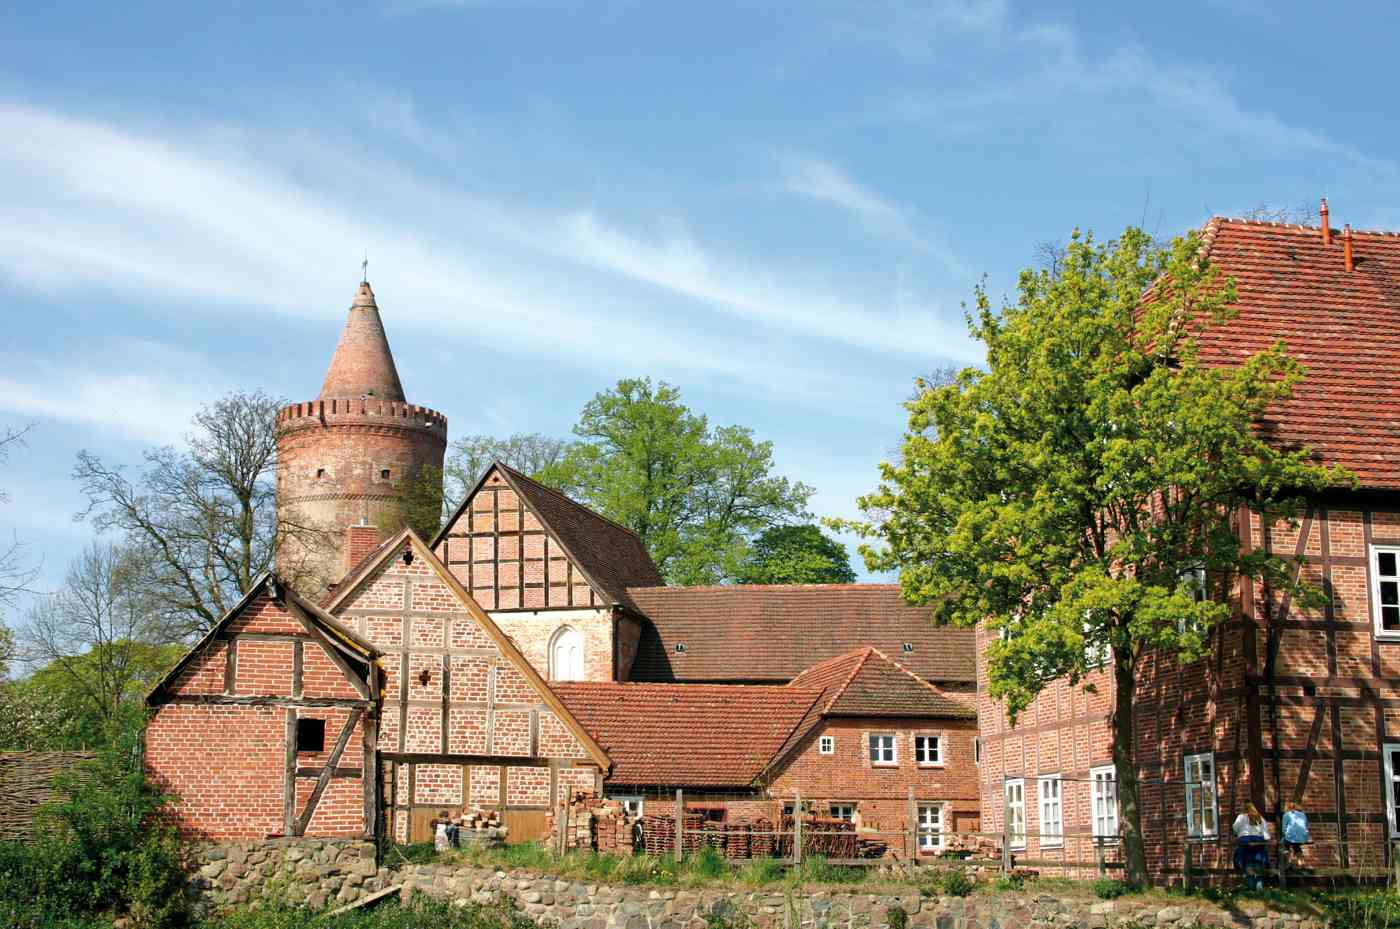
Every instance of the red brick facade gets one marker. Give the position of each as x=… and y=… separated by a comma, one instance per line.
x=223, y=735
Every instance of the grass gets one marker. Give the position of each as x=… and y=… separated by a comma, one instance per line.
x=389, y=915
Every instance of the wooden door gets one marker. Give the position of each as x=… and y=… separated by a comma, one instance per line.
x=524, y=825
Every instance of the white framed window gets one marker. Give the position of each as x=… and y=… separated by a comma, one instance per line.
x=1195, y=581
x=631, y=804
x=882, y=750
x=1095, y=650
x=566, y=655
x=1016, y=812
x=928, y=750
x=1385, y=589
x=827, y=745
x=1052, y=817
x=976, y=750
x=1392, y=786
x=1103, y=802
x=1201, y=813
x=846, y=811
x=930, y=827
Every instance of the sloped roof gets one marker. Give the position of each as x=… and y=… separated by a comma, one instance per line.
x=687, y=735
x=609, y=555
x=867, y=682
x=1344, y=326
x=363, y=364
x=315, y=619
x=774, y=632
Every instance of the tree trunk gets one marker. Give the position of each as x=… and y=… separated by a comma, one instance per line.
x=1130, y=811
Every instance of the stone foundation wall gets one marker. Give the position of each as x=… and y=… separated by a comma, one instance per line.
x=333, y=873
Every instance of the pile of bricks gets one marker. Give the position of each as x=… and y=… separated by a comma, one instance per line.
x=740, y=840
x=971, y=846
x=830, y=838
x=596, y=824
x=479, y=819
x=659, y=833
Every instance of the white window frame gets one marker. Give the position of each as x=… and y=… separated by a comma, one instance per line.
x=1014, y=791
x=893, y=746
x=1200, y=796
x=1200, y=592
x=1373, y=570
x=826, y=745
x=632, y=804
x=836, y=809
x=1052, y=811
x=930, y=827
x=937, y=740
x=1392, y=775
x=567, y=637
x=1103, y=802
x=1095, y=653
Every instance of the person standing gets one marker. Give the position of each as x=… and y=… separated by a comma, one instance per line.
x=1251, y=845
x=1295, y=830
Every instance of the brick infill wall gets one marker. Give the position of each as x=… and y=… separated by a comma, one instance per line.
x=325, y=873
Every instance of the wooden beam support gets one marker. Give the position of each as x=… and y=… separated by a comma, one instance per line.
x=329, y=767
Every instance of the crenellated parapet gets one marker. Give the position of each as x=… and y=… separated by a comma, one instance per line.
x=360, y=412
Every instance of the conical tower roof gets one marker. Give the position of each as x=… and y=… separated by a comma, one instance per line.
x=362, y=364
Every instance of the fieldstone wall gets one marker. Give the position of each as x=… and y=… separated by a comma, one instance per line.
x=334, y=873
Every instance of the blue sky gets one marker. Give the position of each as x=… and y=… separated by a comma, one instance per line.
x=778, y=207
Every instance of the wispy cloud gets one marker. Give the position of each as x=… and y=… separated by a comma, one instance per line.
x=821, y=181
x=88, y=205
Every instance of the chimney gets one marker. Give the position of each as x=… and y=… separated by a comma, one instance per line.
x=1346, y=245
x=1326, y=229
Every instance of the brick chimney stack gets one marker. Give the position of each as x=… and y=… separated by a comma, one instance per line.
x=1326, y=228
x=1346, y=248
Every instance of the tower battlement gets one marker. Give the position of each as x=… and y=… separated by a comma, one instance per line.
x=365, y=411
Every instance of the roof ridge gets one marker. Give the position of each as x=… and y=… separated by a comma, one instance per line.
x=839, y=691
x=567, y=499
x=1297, y=227
x=911, y=674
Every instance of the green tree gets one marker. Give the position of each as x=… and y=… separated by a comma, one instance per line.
x=800, y=554
x=1073, y=494
x=419, y=504
x=527, y=452
x=694, y=493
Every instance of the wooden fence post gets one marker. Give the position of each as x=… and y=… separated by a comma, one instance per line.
x=1186, y=864
x=797, y=830
x=912, y=812
x=680, y=823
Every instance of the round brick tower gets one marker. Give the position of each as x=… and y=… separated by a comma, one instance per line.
x=342, y=456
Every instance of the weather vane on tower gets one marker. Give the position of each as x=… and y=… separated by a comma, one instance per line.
x=364, y=269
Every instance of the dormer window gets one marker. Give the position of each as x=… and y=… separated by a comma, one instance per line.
x=908, y=646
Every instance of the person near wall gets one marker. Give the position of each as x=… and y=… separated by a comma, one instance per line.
x=1251, y=845
x=1295, y=830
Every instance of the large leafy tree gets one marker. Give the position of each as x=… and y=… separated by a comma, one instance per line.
x=693, y=492
x=799, y=554
x=468, y=457
x=1070, y=495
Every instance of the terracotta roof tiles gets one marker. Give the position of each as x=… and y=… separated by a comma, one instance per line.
x=759, y=633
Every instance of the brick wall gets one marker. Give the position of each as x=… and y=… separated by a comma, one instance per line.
x=218, y=740
x=1328, y=700
x=880, y=792
x=500, y=551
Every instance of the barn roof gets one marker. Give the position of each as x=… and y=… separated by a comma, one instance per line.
x=1344, y=326
x=867, y=682
x=759, y=632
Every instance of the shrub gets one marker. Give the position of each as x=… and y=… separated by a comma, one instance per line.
x=761, y=871
x=897, y=917
x=954, y=882
x=1009, y=882
x=100, y=848
x=1107, y=888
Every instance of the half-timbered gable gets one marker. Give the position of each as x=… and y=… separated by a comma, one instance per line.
x=266, y=726
x=552, y=573
x=465, y=718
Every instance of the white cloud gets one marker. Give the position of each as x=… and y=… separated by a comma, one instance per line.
x=215, y=222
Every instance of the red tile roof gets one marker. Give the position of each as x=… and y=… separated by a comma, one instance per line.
x=686, y=735
x=867, y=682
x=1344, y=326
x=766, y=633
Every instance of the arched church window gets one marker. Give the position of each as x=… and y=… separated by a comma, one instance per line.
x=566, y=655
